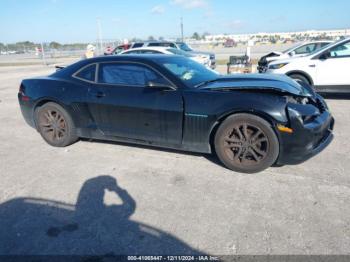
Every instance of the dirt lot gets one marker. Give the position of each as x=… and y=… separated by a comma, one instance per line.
x=57, y=201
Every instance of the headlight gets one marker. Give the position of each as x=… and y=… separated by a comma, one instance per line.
x=277, y=66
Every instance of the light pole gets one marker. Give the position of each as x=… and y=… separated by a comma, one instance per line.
x=43, y=53
x=182, y=29
x=99, y=34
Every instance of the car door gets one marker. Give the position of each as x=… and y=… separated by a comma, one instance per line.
x=122, y=104
x=332, y=66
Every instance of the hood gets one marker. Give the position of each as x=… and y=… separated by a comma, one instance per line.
x=291, y=59
x=278, y=83
x=274, y=53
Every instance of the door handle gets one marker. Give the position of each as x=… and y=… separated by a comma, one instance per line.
x=312, y=65
x=100, y=94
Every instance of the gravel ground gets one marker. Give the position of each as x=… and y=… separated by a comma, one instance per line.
x=110, y=198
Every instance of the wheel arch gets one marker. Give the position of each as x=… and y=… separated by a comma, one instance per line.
x=44, y=101
x=302, y=73
x=222, y=118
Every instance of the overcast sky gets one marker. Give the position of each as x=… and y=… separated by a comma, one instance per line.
x=75, y=20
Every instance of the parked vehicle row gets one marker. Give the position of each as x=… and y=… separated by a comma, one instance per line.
x=202, y=59
x=175, y=45
x=295, y=51
x=326, y=69
x=249, y=121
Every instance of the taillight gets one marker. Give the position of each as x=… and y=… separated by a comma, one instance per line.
x=22, y=93
x=22, y=89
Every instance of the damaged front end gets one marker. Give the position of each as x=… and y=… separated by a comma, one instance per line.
x=310, y=125
x=264, y=61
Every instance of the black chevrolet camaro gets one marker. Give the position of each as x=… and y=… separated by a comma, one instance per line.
x=250, y=121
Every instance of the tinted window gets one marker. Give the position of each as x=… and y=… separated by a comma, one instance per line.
x=306, y=49
x=132, y=52
x=88, y=73
x=136, y=45
x=341, y=50
x=162, y=44
x=127, y=74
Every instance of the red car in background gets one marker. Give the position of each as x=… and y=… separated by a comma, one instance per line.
x=117, y=50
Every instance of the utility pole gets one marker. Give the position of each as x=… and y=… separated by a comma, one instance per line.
x=43, y=53
x=99, y=35
x=182, y=29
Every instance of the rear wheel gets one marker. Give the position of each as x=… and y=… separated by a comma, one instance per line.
x=55, y=125
x=246, y=143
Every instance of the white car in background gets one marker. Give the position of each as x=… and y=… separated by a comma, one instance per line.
x=326, y=69
x=200, y=58
x=299, y=50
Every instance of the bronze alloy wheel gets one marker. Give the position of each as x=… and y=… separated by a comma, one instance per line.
x=55, y=125
x=246, y=143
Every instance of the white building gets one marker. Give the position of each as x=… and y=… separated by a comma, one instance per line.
x=282, y=35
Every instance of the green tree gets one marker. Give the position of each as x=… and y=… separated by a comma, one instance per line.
x=196, y=36
x=55, y=45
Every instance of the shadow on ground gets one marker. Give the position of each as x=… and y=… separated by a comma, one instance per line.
x=40, y=226
x=210, y=157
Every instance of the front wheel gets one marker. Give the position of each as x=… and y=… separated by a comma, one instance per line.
x=246, y=143
x=55, y=125
x=300, y=78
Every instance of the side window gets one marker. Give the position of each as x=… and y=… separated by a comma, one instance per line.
x=88, y=73
x=131, y=52
x=127, y=74
x=306, y=49
x=136, y=45
x=341, y=50
x=154, y=44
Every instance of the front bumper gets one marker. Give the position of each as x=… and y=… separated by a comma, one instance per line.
x=307, y=140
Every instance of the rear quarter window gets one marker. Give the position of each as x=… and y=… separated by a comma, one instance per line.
x=88, y=73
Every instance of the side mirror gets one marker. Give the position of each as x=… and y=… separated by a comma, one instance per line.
x=292, y=53
x=325, y=55
x=159, y=85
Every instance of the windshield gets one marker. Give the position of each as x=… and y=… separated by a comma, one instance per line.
x=179, y=52
x=185, y=47
x=290, y=49
x=189, y=71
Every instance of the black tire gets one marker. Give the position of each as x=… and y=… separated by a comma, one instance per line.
x=55, y=125
x=246, y=143
x=301, y=78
